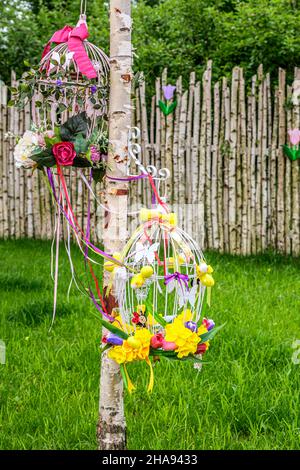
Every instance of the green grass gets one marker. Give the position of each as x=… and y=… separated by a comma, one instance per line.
x=247, y=397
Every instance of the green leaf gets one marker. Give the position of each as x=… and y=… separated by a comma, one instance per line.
x=80, y=144
x=171, y=108
x=210, y=334
x=11, y=103
x=43, y=157
x=81, y=162
x=98, y=174
x=163, y=107
x=124, y=377
x=26, y=63
x=290, y=153
x=157, y=317
x=57, y=133
x=73, y=126
x=110, y=327
x=50, y=141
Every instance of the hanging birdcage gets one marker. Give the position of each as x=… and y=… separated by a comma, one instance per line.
x=167, y=276
x=73, y=75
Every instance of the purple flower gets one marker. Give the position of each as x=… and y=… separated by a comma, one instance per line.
x=191, y=325
x=58, y=82
x=93, y=89
x=210, y=324
x=169, y=91
x=114, y=339
x=95, y=154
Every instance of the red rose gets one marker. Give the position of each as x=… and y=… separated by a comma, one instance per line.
x=64, y=153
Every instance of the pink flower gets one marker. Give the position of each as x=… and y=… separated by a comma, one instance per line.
x=64, y=153
x=157, y=341
x=168, y=345
x=294, y=135
x=95, y=154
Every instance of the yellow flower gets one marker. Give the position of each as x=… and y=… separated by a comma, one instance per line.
x=185, y=340
x=136, y=347
x=118, y=354
x=144, y=336
x=201, y=330
x=185, y=315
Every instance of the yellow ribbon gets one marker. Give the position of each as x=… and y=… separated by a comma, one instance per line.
x=130, y=385
x=151, y=381
x=208, y=298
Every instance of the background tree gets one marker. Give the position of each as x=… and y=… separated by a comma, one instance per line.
x=178, y=34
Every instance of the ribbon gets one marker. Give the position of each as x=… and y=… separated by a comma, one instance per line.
x=151, y=380
x=127, y=381
x=74, y=38
x=181, y=278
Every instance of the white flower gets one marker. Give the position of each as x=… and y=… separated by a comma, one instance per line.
x=24, y=148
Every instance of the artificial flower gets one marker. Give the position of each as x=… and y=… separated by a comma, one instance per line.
x=93, y=89
x=191, y=325
x=294, y=135
x=169, y=345
x=114, y=339
x=118, y=354
x=202, y=348
x=24, y=148
x=64, y=153
x=210, y=324
x=202, y=330
x=157, y=341
x=185, y=339
x=95, y=154
x=168, y=91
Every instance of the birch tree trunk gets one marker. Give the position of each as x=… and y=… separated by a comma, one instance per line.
x=111, y=426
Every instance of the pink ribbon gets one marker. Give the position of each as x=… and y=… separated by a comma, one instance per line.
x=74, y=37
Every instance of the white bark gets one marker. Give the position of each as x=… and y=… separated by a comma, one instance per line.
x=111, y=428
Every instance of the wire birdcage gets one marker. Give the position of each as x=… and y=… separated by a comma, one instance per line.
x=174, y=259
x=67, y=88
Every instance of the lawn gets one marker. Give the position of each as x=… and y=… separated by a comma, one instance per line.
x=246, y=397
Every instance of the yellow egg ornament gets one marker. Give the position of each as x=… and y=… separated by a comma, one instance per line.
x=147, y=271
x=133, y=342
x=137, y=281
x=110, y=265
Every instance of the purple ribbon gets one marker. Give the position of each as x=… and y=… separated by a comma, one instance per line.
x=181, y=278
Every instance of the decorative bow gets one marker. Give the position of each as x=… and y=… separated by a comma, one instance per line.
x=74, y=37
x=181, y=278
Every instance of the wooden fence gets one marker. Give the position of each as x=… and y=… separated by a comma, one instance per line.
x=232, y=186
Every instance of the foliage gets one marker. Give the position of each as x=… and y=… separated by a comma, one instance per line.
x=178, y=34
x=246, y=397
